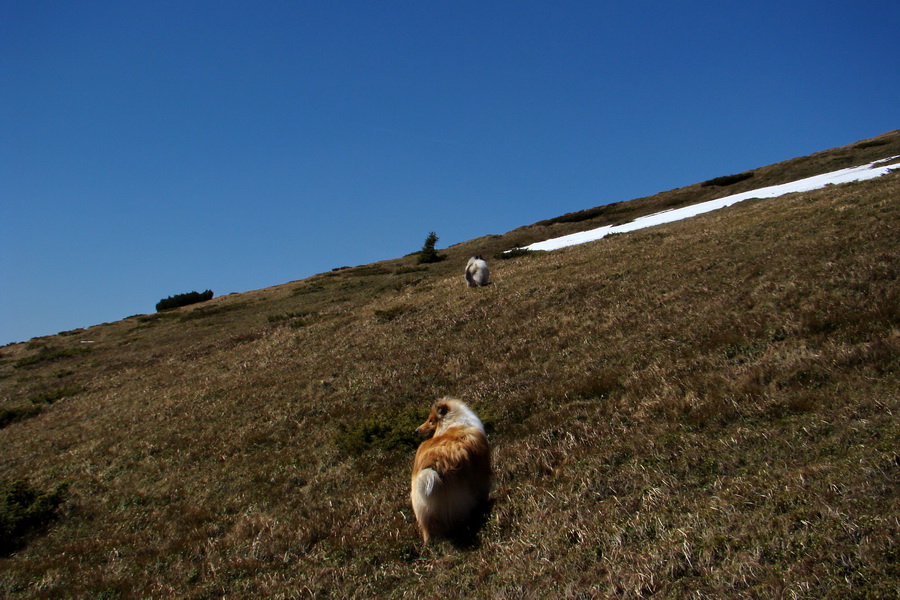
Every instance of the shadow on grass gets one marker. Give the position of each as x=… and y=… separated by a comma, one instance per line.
x=468, y=537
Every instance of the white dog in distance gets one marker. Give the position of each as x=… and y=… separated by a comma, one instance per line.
x=477, y=272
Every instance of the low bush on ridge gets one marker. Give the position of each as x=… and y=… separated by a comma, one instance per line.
x=180, y=300
x=727, y=180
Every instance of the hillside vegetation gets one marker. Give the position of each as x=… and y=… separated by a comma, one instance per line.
x=704, y=409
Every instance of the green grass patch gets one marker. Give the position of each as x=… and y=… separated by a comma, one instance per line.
x=50, y=354
x=51, y=395
x=387, y=315
x=205, y=312
x=367, y=271
x=411, y=269
x=293, y=319
x=308, y=288
x=37, y=402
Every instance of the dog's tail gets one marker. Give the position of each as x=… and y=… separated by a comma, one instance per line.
x=427, y=482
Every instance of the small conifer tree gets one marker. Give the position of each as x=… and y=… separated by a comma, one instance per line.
x=428, y=254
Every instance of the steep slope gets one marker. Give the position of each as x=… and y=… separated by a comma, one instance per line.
x=705, y=408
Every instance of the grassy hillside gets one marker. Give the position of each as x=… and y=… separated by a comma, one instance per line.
x=702, y=409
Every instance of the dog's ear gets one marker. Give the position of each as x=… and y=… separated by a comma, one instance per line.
x=442, y=408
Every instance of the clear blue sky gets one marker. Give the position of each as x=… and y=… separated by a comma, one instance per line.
x=155, y=148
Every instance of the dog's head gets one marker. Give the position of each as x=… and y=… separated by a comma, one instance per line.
x=446, y=413
x=437, y=414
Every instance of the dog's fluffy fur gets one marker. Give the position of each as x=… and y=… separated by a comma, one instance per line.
x=477, y=272
x=451, y=475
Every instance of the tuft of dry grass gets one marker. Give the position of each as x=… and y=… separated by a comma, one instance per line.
x=705, y=409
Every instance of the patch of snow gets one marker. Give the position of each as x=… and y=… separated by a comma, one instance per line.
x=861, y=173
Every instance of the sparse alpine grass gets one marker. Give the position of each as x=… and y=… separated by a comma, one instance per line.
x=706, y=409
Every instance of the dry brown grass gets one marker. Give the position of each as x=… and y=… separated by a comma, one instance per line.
x=705, y=409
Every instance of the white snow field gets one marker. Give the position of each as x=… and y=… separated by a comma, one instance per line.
x=861, y=173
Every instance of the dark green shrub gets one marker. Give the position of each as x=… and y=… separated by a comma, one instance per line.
x=24, y=509
x=386, y=433
x=9, y=416
x=51, y=395
x=587, y=214
x=149, y=318
x=180, y=300
x=727, y=180
x=72, y=332
x=870, y=144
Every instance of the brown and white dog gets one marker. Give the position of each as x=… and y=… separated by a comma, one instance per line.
x=451, y=476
